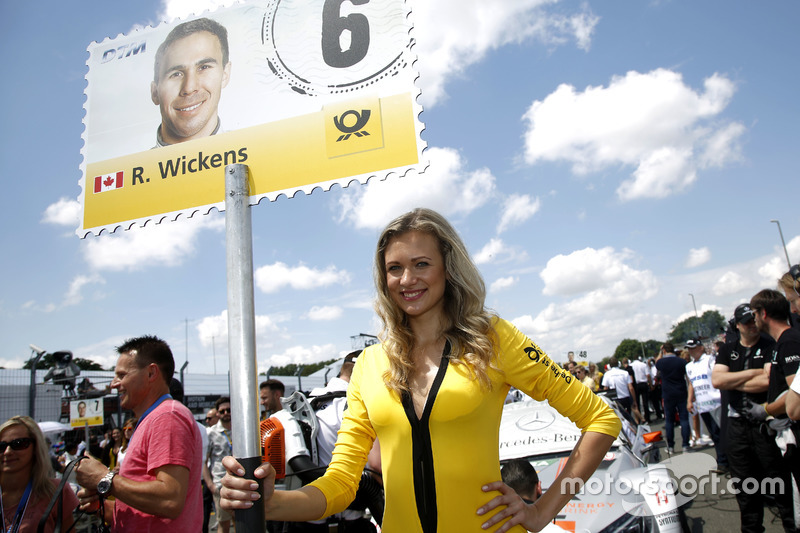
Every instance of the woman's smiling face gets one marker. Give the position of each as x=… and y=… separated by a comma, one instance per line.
x=415, y=274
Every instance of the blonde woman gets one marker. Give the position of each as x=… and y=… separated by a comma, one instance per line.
x=433, y=394
x=27, y=479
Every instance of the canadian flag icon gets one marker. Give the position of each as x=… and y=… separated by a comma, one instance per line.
x=109, y=182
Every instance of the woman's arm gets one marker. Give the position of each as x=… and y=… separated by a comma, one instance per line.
x=301, y=505
x=582, y=463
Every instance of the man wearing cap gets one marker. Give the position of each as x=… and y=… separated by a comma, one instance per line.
x=739, y=372
x=703, y=396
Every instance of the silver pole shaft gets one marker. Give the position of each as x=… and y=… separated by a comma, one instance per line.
x=786, y=253
x=241, y=313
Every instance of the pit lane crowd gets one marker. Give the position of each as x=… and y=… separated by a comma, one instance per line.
x=736, y=393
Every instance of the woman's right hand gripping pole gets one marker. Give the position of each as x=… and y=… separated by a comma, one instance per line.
x=240, y=493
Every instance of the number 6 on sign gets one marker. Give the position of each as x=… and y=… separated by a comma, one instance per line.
x=332, y=47
x=334, y=26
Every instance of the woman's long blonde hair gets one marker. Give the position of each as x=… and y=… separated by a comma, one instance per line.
x=41, y=469
x=468, y=325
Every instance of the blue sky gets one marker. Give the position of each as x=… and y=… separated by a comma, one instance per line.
x=602, y=161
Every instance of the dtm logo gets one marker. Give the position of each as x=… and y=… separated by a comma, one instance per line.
x=361, y=120
x=123, y=51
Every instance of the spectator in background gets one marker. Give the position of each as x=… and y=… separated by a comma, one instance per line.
x=643, y=384
x=28, y=480
x=583, y=376
x=622, y=382
x=673, y=389
x=270, y=393
x=209, y=522
x=704, y=398
x=522, y=477
x=596, y=375
x=220, y=444
x=655, y=388
x=111, y=449
x=158, y=485
x=127, y=433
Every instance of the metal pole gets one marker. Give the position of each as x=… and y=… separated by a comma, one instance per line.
x=32, y=391
x=783, y=242
x=183, y=371
x=242, y=336
x=696, y=316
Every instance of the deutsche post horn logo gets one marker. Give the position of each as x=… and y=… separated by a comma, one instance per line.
x=360, y=121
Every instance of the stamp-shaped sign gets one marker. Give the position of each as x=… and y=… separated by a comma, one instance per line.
x=307, y=93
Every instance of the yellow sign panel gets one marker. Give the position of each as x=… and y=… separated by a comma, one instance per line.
x=344, y=140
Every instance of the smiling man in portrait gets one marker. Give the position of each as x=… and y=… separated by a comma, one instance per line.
x=191, y=69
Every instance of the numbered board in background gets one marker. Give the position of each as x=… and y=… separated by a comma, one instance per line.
x=311, y=93
x=89, y=411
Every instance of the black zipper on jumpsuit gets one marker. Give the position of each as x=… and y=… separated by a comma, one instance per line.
x=422, y=450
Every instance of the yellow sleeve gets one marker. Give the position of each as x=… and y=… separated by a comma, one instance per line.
x=529, y=369
x=355, y=439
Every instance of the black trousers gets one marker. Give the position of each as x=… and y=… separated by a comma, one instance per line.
x=208, y=506
x=754, y=455
x=643, y=399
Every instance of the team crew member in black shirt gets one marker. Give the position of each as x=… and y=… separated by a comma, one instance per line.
x=739, y=374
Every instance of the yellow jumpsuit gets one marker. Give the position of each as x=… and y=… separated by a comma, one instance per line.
x=434, y=467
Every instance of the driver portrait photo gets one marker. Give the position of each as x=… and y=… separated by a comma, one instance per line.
x=191, y=69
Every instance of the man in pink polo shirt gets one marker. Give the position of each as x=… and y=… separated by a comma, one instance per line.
x=158, y=487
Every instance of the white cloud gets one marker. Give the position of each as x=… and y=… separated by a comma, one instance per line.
x=445, y=186
x=517, y=208
x=610, y=292
x=497, y=251
x=301, y=355
x=652, y=122
x=474, y=28
x=731, y=283
x=325, y=313
x=213, y=330
x=776, y=267
x=588, y=270
x=165, y=244
x=698, y=256
x=64, y=212
x=272, y=278
x=183, y=8
x=503, y=283
x=74, y=295
x=492, y=249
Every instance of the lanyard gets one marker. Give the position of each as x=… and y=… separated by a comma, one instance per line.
x=230, y=443
x=22, y=506
x=149, y=409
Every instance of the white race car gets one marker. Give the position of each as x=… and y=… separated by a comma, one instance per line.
x=628, y=493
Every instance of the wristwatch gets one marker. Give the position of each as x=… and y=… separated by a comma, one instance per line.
x=104, y=486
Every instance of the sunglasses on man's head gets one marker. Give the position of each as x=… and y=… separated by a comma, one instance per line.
x=223, y=411
x=16, y=444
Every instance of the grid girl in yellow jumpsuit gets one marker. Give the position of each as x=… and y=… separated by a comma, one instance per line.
x=432, y=393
